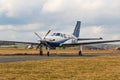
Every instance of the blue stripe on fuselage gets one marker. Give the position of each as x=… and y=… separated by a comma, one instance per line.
x=56, y=44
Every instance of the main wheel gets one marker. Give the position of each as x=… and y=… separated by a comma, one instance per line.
x=80, y=53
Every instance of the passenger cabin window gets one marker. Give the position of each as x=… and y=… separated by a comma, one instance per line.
x=64, y=36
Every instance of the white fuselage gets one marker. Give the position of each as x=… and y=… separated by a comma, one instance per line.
x=56, y=39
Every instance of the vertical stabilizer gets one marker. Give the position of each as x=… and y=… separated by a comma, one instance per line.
x=77, y=29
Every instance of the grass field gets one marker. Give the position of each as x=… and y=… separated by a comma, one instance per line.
x=8, y=51
x=94, y=68
x=81, y=68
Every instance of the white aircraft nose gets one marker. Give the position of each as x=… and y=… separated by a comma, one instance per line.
x=49, y=39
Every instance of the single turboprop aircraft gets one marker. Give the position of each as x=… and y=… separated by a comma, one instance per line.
x=62, y=40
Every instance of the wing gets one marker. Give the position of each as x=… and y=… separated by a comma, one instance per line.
x=87, y=43
x=79, y=39
x=2, y=42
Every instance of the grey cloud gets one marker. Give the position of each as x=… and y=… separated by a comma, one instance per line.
x=90, y=12
x=60, y=14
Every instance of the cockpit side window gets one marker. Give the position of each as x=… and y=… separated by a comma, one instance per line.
x=58, y=34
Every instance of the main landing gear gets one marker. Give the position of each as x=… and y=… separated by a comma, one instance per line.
x=41, y=51
x=48, y=51
x=80, y=52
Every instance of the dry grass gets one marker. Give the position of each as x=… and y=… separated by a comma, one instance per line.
x=4, y=51
x=7, y=51
x=95, y=68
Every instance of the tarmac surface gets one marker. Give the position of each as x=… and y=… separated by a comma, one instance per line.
x=16, y=58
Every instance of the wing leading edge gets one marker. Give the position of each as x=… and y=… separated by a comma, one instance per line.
x=87, y=43
x=64, y=44
x=79, y=39
x=14, y=42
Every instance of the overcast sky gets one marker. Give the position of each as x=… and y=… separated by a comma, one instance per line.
x=20, y=18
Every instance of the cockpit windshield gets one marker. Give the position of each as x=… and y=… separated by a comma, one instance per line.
x=56, y=34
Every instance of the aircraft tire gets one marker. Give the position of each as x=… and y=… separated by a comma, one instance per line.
x=80, y=53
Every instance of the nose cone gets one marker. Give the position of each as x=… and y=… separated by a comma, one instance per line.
x=49, y=39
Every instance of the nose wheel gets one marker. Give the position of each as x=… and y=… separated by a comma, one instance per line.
x=48, y=53
x=41, y=50
x=41, y=53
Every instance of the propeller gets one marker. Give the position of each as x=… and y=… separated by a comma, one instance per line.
x=38, y=36
x=47, y=34
x=42, y=39
x=44, y=36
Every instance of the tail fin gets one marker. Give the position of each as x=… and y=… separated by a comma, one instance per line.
x=77, y=29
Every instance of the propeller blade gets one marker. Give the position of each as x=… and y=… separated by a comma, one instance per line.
x=47, y=33
x=38, y=35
